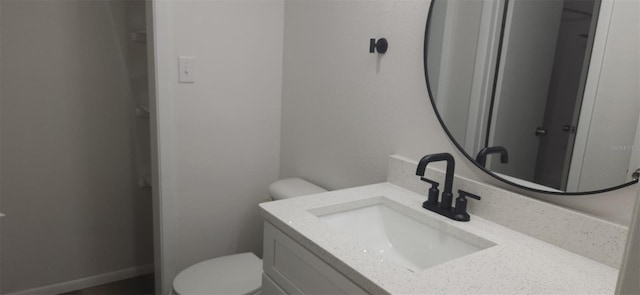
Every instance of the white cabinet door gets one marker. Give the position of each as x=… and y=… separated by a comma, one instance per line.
x=298, y=271
x=269, y=287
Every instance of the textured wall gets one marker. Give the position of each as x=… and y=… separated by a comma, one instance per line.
x=222, y=133
x=345, y=110
x=68, y=185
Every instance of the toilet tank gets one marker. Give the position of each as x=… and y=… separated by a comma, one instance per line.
x=293, y=187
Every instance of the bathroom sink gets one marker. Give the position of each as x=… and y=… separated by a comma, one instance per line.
x=404, y=240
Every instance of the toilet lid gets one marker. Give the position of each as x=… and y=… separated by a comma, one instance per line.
x=233, y=274
x=293, y=187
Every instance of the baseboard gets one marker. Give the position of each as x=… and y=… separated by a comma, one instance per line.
x=87, y=282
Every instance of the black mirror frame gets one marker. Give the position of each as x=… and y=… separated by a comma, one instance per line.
x=482, y=168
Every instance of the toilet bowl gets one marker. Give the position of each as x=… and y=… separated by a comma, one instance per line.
x=238, y=273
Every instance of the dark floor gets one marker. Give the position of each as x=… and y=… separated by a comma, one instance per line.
x=142, y=285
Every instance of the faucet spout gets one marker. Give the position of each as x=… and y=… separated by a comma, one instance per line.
x=448, y=181
x=443, y=207
x=481, y=159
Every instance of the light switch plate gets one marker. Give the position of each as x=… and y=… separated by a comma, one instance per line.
x=186, y=67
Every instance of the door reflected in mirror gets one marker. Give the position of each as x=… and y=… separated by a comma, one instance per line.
x=542, y=93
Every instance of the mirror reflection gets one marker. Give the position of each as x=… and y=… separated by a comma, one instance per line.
x=544, y=93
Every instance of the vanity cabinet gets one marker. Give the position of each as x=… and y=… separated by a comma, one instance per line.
x=289, y=268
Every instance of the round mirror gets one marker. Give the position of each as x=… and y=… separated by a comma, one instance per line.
x=542, y=94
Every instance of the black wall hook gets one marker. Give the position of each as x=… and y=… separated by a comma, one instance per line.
x=380, y=46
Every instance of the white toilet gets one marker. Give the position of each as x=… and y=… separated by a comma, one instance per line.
x=238, y=273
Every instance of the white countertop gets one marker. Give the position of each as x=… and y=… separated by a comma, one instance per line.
x=517, y=264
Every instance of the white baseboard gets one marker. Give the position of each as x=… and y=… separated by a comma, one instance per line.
x=87, y=282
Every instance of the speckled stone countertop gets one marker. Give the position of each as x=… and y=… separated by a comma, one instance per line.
x=591, y=237
x=517, y=264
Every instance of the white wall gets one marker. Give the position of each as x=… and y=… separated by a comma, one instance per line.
x=130, y=17
x=219, y=138
x=530, y=35
x=68, y=184
x=345, y=110
x=617, y=105
x=455, y=61
x=634, y=162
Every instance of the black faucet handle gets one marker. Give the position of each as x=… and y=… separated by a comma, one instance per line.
x=434, y=193
x=468, y=194
x=460, y=211
x=434, y=184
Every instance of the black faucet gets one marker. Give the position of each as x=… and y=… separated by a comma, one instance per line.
x=458, y=213
x=447, y=196
x=481, y=159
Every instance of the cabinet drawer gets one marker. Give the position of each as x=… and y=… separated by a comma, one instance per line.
x=299, y=271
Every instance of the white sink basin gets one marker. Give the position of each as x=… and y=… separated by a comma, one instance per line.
x=404, y=240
